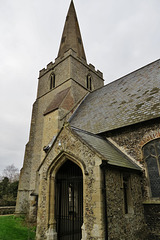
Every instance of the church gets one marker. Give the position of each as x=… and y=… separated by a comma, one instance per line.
x=91, y=168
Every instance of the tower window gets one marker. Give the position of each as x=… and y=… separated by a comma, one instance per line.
x=89, y=82
x=52, y=81
x=151, y=154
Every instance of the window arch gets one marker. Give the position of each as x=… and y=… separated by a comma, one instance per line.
x=151, y=154
x=52, y=81
x=89, y=82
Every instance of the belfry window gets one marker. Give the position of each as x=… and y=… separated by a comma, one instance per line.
x=151, y=154
x=52, y=81
x=89, y=82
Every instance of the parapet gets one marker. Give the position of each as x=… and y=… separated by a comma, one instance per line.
x=68, y=53
x=92, y=67
x=44, y=70
x=57, y=60
x=99, y=73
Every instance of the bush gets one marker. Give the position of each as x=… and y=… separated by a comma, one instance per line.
x=8, y=192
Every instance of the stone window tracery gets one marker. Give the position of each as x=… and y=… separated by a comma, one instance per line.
x=151, y=154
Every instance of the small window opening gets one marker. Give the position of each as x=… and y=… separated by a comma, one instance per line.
x=125, y=194
x=52, y=81
x=89, y=82
x=127, y=202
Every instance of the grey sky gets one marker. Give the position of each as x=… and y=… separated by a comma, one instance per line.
x=119, y=37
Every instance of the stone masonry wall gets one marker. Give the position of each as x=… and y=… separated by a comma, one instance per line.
x=70, y=67
x=131, y=140
x=152, y=216
x=22, y=203
x=73, y=149
x=123, y=226
x=79, y=72
x=64, y=74
x=61, y=71
x=69, y=71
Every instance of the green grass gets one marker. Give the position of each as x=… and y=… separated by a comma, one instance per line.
x=15, y=228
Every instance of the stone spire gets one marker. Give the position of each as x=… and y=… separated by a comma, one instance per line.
x=71, y=37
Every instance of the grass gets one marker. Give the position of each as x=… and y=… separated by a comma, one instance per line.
x=15, y=228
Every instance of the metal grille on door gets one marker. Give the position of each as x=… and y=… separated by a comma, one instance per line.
x=69, y=201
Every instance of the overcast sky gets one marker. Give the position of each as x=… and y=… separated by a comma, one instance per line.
x=119, y=37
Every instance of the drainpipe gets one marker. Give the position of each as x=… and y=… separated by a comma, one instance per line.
x=103, y=167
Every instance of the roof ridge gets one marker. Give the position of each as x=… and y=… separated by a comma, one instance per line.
x=88, y=133
x=134, y=71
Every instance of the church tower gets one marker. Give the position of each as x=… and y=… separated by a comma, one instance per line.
x=62, y=86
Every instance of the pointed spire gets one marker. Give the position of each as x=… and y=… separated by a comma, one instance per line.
x=71, y=37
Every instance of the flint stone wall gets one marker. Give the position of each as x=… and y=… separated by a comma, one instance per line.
x=152, y=215
x=131, y=140
x=93, y=227
x=123, y=226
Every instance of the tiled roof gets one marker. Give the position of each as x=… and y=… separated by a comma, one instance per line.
x=110, y=152
x=57, y=101
x=131, y=99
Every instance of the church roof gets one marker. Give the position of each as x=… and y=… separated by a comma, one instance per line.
x=114, y=156
x=57, y=101
x=129, y=100
x=71, y=37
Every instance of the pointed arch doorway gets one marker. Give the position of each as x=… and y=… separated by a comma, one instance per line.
x=69, y=201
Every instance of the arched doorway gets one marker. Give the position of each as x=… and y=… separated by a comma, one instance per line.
x=69, y=201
